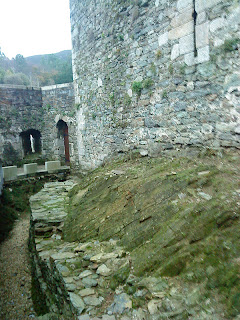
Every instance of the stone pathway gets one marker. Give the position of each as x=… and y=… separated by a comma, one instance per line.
x=95, y=280
x=15, y=274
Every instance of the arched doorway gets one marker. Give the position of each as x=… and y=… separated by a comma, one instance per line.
x=31, y=141
x=63, y=140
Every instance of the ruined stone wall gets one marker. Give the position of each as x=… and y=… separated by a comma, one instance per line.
x=59, y=104
x=24, y=108
x=20, y=110
x=148, y=77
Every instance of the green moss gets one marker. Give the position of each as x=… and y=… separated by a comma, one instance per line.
x=162, y=220
x=119, y=277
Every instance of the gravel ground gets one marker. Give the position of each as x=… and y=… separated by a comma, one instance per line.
x=15, y=274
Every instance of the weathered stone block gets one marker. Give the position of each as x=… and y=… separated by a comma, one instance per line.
x=175, y=52
x=217, y=24
x=10, y=173
x=30, y=168
x=52, y=166
x=186, y=44
x=181, y=31
x=202, y=38
x=205, y=4
x=181, y=4
x=163, y=39
x=182, y=18
x=203, y=54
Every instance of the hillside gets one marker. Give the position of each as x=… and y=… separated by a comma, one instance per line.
x=39, y=70
x=37, y=60
x=179, y=219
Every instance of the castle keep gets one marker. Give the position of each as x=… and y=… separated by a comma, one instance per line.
x=150, y=75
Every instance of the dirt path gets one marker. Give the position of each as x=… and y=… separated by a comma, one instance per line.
x=15, y=274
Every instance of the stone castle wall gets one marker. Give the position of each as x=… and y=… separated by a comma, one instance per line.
x=26, y=108
x=59, y=104
x=148, y=77
x=20, y=110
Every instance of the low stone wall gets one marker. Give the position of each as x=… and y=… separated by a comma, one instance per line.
x=48, y=214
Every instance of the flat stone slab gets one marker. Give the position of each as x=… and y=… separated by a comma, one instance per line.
x=9, y=173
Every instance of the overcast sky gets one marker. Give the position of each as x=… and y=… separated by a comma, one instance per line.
x=31, y=27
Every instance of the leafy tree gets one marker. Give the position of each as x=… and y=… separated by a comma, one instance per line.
x=20, y=64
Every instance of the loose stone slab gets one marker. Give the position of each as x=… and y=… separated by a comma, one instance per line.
x=30, y=168
x=103, y=270
x=92, y=301
x=86, y=292
x=9, y=173
x=85, y=274
x=77, y=302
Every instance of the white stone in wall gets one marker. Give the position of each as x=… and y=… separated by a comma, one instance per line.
x=163, y=39
x=181, y=31
x=139, y=79
x=201, y=17
x=182, y=18
x=157, y=3
x=99, y=82
x=202, y=35
x=186, y=44
x=181, y=4
x=139, y=51
x=203, y=54
x=57, y=118
x=234, y=19
x=201, y=5
x=175, y=51
x=189, y=59
x=218, y=42
x=130, y=93
x=217, y=24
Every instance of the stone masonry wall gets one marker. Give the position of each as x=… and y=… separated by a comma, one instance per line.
x=20, y=110
x=148, y=77
x=59, y=104
x=23, y=108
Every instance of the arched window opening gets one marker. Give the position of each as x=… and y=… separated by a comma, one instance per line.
x=63, y=140
x=31, y=141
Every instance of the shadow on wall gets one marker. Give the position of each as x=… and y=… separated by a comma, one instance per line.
x=10, y=155
x=63, y=141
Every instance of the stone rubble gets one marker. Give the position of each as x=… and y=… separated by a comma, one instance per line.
x=95, y=280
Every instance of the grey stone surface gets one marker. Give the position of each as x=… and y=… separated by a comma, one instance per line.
x=77, y=302
x=9, y=173
x=30, y=168
x=52, y=166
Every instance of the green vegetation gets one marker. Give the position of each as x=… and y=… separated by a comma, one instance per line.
x=170, y=68
x=178, y=218
x=230, y=44
x=112, y=98
x=164, y=94
x=127, y=100
x=147, y=83
x=137, y=87
x=14, y=203
x=158, y=54
x=37, y=70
